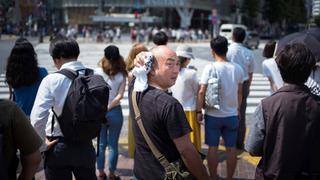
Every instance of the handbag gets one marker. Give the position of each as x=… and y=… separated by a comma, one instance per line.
x=212, y=97
x=174, y=170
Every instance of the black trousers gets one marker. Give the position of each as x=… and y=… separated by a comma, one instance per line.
x=65, y=159
x=242, y=117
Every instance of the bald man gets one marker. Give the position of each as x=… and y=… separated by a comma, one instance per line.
x=164, y=120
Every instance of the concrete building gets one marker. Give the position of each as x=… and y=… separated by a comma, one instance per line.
x=316, y=8
x=168, y=13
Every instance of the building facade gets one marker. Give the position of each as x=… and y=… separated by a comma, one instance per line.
x=166, y=13
x=316, y=8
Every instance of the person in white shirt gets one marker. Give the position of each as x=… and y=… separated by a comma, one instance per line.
x=270, y=68
x=113, y=70
x=313, y=81
x=224, y=121
x=62, y=159
x=241, y=55
x=185, y=91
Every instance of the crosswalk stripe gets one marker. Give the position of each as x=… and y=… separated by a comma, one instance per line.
x=259, y=89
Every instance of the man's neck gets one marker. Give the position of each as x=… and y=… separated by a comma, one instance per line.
x=156, y=86
x=220, y=58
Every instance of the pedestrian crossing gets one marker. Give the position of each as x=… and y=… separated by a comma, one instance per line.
x=259, y=89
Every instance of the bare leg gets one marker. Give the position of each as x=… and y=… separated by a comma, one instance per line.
x=213, y=162
x=231, y=162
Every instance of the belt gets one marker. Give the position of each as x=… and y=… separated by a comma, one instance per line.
x=66, y=141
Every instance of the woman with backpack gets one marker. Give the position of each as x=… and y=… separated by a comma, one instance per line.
x=23, y=74
x=113, y=70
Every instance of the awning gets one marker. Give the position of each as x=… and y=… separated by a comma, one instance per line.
x=126, y=19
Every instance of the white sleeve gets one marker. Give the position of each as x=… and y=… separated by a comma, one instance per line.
x=205, y=75
x=266, y=70
x=230, y=54
x=239, y=73
x=195, y=83
x=252, y=63
x=40, y=110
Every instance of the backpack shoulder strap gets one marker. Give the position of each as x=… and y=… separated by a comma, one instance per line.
x=88, y=71
x=161, y=158
x=71, y=74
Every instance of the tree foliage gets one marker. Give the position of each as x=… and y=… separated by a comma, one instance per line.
x=317, y=20
x=293, y=11
x=273, y=10
x=251, y=8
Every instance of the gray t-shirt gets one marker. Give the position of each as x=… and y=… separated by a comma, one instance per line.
x=230, y=75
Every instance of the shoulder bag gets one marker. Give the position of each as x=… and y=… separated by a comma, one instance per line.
x=174, y=170
x=212, y=97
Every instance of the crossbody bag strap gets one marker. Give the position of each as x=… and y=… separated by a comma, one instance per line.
x=163, y=160
x=214, y=70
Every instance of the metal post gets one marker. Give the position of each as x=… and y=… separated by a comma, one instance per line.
x=214, y=19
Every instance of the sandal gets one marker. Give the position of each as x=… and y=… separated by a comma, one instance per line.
x=114, y=177
x=102, y=176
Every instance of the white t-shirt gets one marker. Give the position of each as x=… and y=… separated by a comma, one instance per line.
x=186, y=88
x=114, y=82
x=230, y=75
x=270, y=70
x=315, y=74
x=241, y=55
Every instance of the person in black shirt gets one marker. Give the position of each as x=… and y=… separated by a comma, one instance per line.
x=164, y=120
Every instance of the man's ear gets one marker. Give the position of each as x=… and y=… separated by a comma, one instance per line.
x=57, y=62
x=152, y=72
x=213, y=53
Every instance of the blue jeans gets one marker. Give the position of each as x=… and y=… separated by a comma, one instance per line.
x=109, y=135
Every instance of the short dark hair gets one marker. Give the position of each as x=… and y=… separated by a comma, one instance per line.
x=182, y=61
x=160, y=38
x=219, y=45
x=63, y=47
x=238, y=34
x=295, y=63
x=268, y=50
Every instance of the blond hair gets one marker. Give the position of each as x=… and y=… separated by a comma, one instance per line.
x=136, y=49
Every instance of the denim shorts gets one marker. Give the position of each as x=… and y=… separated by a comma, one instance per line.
x=227, y=127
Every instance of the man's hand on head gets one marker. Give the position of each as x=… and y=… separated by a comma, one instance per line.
x=139, y=60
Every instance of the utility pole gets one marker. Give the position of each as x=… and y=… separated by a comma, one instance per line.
x=214, y=18
x=238, y=13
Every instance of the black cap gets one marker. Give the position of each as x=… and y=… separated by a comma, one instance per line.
x=112, y=53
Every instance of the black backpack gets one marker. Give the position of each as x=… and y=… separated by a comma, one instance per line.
x=85, y=106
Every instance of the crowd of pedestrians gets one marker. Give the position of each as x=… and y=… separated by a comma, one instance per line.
x=167, y=106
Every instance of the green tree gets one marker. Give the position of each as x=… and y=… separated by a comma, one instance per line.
x=273, y=10
x=250, y=9
x=295, y=11
x=317, y=20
